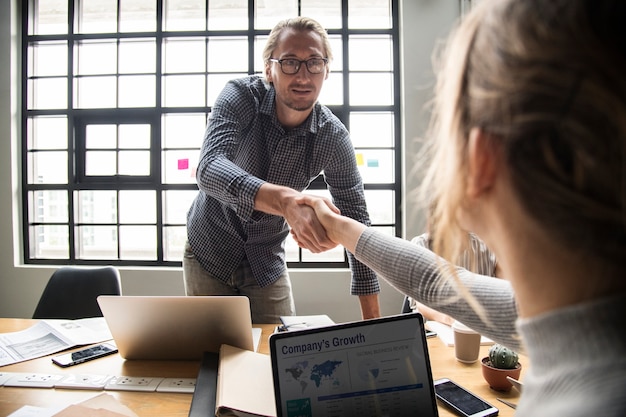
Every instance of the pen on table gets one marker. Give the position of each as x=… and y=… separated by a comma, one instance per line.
x=510, y=404
x=285, y=327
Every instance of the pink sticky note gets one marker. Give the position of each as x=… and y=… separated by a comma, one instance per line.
x=183, y=164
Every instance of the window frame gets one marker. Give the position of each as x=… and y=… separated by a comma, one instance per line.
x=77, y=118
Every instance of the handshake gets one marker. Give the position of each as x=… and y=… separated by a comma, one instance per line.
x=312, y=220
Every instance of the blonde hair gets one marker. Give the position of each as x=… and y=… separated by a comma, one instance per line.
x=545, y=80
x=300, y=24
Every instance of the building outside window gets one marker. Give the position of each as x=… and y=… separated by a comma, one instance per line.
x=116, y=95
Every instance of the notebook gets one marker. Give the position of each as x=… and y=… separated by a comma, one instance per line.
x=374, y=367
x=176, y=327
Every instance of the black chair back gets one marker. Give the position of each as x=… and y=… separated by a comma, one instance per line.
x=71, y=292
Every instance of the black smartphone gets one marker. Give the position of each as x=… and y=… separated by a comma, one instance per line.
x=430, y=333
x=84, y=355
x=461, y=401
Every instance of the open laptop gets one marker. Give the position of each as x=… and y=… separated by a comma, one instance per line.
x=176, y=327
x=377, y=367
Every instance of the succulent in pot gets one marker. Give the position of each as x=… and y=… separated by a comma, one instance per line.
x=500, y=363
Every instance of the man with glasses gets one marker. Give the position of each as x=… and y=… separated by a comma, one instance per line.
x=266, y=140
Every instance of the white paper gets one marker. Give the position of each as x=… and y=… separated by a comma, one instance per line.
x=256, y=337
x=51, y=336
x=32, y=411
x=305, y=322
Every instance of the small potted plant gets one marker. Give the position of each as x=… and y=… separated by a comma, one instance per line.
x=500, y=363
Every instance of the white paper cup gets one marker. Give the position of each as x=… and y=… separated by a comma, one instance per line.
x=466, y=343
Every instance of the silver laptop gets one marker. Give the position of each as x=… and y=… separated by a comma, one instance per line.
x=377, y=367
x=176, y=327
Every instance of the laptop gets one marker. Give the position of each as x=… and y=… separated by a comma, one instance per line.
x=377, y=367
x=176, y=327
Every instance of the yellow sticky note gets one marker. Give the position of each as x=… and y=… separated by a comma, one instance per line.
x=359, y=159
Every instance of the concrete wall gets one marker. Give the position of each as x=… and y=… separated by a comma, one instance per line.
x=315, y=291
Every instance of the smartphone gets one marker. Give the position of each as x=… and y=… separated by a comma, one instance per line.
x=84, y=355
x=430, y=333
x=461, y=401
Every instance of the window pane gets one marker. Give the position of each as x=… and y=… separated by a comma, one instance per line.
x=179, y=167
x=332, y=92
x=217, y=82
x=137, y=206
x=100, y=163
x=381, y=206
x=96, y=206
x=371, y=129
x=326, y=12
x=388, y=230
x=134, y=136
x=259, y=44
x=137, y=15
x=377, y=14
x=292, y=250
x=49, y=242
x=47, y=167
x=47, y=58
x=184, y=55
x=96, y=242
x=176, y=203
x=137, y=91
x=183, y=130
x=183, y=90
x=337, y=46
x=50, y=17
x=97, y=16
x=228, y=15
x=101, y=136
x=336, y=254
x=228, y=55
x=174, y=243
x=138, y=242
x=95, y=92
x=137, y=56
x=47, y=133
x=371, y=89
x=48, y=206
x=136, y=163
x=184, y=15
x=268, y=13
x=96, y=57
x=371, y=53
x=48, y=93
x=376, y=166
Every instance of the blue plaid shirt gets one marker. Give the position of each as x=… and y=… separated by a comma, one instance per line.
x=245, y=146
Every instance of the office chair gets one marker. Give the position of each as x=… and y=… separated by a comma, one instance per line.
x=406, y=306
x=71, y=292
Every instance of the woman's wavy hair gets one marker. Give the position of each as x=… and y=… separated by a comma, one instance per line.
x=546, y=79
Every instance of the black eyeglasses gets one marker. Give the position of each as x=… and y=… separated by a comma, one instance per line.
x=291, y=66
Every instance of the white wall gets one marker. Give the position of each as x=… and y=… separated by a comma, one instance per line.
x=315, y=291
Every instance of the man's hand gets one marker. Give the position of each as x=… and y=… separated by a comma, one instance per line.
x=306, y=228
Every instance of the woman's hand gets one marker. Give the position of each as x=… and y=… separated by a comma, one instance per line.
x=340, y=229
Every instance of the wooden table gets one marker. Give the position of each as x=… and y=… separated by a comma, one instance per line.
x=152, y=404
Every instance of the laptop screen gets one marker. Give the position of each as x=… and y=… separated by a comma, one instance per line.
x=376, y=367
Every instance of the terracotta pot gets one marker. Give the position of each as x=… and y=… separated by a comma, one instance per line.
x=496, y=378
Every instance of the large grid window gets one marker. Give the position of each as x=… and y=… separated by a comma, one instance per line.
x=116, y=95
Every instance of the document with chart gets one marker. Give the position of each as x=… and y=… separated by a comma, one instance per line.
x=369, y=368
